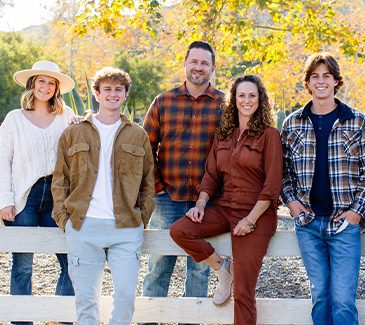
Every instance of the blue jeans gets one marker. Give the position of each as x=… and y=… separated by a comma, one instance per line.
x=160, y=268
x=333, y=265
x=37, y=212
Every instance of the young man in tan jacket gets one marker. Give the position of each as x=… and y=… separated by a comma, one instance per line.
x=103, y=189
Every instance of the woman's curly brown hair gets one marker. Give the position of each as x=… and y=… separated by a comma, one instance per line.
x=261, y=119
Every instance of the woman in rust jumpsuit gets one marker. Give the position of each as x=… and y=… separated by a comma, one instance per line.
x=242, y=180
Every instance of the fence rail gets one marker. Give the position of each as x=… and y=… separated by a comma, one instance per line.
x=165, y=310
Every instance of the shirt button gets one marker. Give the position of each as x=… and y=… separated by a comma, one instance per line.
x=190, y=147
x=189, y=163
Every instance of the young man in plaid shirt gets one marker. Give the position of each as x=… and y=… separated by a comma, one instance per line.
x=324, y=188
x=181, y=124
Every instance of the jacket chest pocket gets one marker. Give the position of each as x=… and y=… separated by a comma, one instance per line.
x=301, y=154
x=296, y=144
x=352, y=143
x=131, y=159
x=79, y=154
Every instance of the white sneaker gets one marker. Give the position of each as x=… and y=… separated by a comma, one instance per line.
x=225, y=280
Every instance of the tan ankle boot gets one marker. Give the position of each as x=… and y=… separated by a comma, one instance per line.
x=225, y=280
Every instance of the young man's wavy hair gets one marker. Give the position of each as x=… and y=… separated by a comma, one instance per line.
x=112, y=75
x=261, y=119
x=331, y=63
x=55, y=104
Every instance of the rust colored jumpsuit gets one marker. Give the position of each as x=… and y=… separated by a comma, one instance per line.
x=237, y=174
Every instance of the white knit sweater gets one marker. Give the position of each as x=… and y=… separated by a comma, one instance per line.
x=27, y=153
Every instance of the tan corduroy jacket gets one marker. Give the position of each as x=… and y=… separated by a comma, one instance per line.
x=76, y=170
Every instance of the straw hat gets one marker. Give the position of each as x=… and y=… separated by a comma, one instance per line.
x=46, y=68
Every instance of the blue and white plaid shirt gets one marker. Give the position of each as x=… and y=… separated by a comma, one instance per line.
x=346, y=159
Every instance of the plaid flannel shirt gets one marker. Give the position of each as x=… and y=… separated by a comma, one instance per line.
x=346, y=159
x=181, y=131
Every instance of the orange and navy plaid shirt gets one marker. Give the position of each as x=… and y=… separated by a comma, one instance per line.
x=181, y=131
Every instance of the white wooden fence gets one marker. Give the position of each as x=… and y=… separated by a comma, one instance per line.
x=164, y=310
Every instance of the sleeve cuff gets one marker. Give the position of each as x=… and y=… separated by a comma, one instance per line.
x=359, y=209
x=268, y=197
x=287, y=197
x=159, y=186
x=7, y=199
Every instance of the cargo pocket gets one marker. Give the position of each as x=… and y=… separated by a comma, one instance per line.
x=138, y=256
x=73, y=269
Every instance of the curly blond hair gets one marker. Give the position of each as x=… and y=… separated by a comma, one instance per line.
x=112, y=75
x=261, y=119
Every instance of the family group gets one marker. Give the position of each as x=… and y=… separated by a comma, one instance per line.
x=204, y=163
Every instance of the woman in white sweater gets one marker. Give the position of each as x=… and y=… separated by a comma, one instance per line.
x=28, y=145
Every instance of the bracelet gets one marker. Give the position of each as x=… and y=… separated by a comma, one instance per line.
x=201, y=200
x=251, y=224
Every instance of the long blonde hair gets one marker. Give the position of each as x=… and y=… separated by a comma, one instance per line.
x=55, y=104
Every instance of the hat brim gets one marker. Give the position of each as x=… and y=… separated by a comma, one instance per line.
x=66, y=83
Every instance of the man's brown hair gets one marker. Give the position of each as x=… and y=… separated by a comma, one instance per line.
x=331, y=63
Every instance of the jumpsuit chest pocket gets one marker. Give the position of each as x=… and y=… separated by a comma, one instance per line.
x=223, y=154
x=250, y=155
x=131, y=159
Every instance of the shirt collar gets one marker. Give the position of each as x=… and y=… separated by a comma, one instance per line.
x=344, y=113
x=125, y=120
x=209, y=91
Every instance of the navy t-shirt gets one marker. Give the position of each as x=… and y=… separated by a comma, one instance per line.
x=320, y=194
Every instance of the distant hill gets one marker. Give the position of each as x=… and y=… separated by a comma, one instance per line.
x=38, y=33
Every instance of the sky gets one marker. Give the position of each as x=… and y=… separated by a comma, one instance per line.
x=25, y=13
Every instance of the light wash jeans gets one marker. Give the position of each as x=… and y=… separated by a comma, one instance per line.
x=96, y=242
x=37, y=213
x=157, y=280
x=333, y=265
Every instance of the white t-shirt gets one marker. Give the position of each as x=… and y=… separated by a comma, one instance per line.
x=101, y=204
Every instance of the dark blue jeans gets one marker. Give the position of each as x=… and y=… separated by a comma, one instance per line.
x=160, y=268
x=37, y=213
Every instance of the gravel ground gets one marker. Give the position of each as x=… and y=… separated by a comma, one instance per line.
x=279, y=277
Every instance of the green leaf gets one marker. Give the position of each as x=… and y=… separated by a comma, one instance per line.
x=90, y=97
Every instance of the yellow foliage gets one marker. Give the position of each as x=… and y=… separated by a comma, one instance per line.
x=271, y=38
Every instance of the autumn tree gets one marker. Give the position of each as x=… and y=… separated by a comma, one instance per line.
x=82, y=56
x=268, y=37
x=258, y=28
